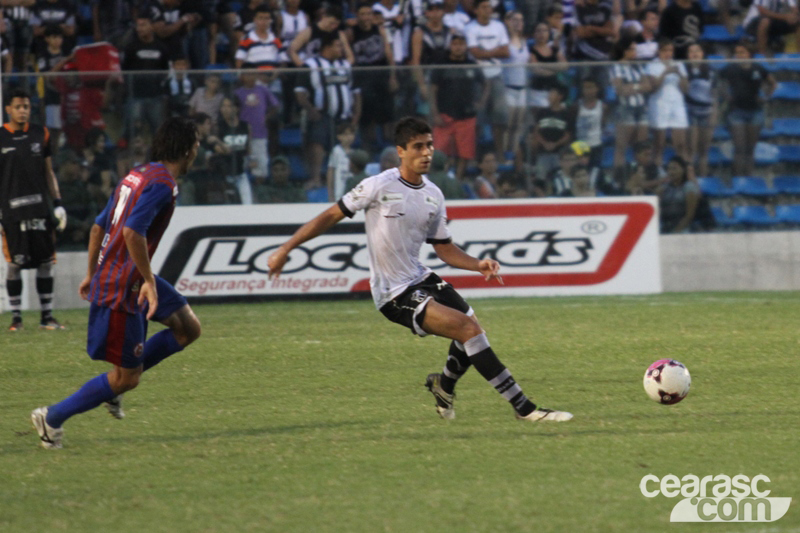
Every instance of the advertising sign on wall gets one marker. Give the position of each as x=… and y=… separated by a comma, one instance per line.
x=545, y=247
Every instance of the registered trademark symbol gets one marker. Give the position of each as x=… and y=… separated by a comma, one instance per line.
x=593, y=227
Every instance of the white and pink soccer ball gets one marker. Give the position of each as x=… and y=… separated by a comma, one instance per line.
x=667, y=381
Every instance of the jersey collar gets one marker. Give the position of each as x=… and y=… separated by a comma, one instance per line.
x=411, y=185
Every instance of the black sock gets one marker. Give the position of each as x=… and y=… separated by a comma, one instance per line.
x=493, y=371
x=455, y=367
x=14, y=289
x=44, y=286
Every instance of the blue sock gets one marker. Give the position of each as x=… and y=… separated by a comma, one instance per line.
x=93, y=393
x=159, y=347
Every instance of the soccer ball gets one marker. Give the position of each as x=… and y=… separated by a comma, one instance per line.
x=667, y=381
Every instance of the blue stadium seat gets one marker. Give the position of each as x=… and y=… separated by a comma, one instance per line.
x=83, y=40
x=714, y=187
x=753, y=215
x=766, y=154
x=789, y=153
x=716, y=64
x=721, y=133
x=784, y=65
x=318, y=195
x=787, y=184
x=228, y=77
x=717, y=158
x=752, y=186
x=722, y=217
x=608, y=157
x=297, y=168
x=788, y=214
x=290, y=138
x=787, y=126
x=717, y=33
x=611, y=94
x=787, y=90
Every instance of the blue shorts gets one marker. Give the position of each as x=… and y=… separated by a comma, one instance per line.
x=118, y=337
x=739, y=117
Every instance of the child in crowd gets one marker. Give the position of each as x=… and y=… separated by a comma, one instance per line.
x=339, y=162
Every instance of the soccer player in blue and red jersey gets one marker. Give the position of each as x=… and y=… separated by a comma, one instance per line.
x=123, y=291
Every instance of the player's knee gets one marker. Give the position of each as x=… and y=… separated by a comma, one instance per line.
x=188, y=331
x=470, y=328
x=123, y=381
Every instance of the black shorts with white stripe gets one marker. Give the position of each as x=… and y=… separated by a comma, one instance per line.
x=408, y=309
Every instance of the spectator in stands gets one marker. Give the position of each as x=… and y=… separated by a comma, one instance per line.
x=701, y=100
x=183, y=26
x=741, y=91
x=453, y=18
x=647, y=38
x=389, y=158
x=557, y=30
x=554, y=129
x=443, y=179
x=594, y=32
x=678, y=197
x=6, y=57
x=590, y=117
x=769, y=20
x=258, y=106
x=642, y=175
x=486, y=184
x=235, y=134
x=208, y=98
x=582, y=185
x=549, y=60
x=558, y=181
x=388, y=13
x=209, y=144
x=339, y=161
x=292, y=21
x=135, y=152
x=430, y=45
x=52, y=58
x=100, y=164
x=260, y=48
x=19, y=33
x=456, y=96
x=179, y=89
x=667, y=105
x=112, y=21
x=509, y=186
x=487, y=40
x=600, y=180
x=53, y=12
x=279, y=190
x=371, y=48
x=358, y=164
x=682, y=23
x=145, y=99
x=516, y=80
x=631, y=84
x=75, y=197
x=308, y=42
x=328, y=97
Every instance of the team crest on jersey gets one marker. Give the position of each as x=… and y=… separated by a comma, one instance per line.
x=431, y=200
x=358, y=192
x=139, y=350
x=36, y=148
x=391, y=198
x=419, y=296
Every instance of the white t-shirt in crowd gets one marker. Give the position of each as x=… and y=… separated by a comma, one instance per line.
x=487, y=37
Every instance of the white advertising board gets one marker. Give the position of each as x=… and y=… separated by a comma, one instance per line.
x=545, y=247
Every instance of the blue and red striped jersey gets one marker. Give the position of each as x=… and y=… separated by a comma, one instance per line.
x=144, y=202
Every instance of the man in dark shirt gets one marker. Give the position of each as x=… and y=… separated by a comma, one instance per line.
x=183, y=26
x=456, y=96
x=58, y=12
x=553, y=129
x=145, y=52
x=682, y=21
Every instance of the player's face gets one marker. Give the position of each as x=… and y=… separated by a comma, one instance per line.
x=417, y=154
x=19, y=111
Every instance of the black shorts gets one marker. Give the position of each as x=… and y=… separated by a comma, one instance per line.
x=408, y=309
x=777, y=28
x=31, y=247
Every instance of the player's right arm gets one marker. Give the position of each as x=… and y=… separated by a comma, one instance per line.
x=95, y=245
x=315, y=227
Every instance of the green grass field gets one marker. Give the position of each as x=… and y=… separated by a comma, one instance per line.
x=313, y=417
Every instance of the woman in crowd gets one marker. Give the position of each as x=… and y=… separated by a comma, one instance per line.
x=678, y=197
x=743, y=83
x=631, y=85
x=701, y=106
x=666, y=105
x=515, y=78
x=544, y=54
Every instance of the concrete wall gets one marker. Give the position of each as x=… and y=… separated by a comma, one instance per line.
x=703, y=262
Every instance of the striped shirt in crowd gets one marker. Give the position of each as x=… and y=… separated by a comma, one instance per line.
x=629, y=74
x=257, y=52
x=330, y=88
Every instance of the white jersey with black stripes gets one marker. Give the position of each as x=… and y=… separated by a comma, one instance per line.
x=399, y=218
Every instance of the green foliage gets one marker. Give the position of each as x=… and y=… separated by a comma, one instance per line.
x=313, y=417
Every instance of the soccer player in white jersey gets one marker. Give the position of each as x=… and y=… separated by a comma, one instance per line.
x=403, y=209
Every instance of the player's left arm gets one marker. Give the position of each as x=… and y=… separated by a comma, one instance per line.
x=458, y=258
x=52, y=185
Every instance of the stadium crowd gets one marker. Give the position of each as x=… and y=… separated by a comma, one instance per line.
x=528, y=98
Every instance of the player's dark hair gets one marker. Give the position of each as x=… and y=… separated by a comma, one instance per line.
x=409, y=127
x=17, y=92
x=174, y=139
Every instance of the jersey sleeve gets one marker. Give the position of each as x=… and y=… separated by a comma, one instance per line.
x=154, y=198
x=102, y=218
x=359, y=198
x=438, y=232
